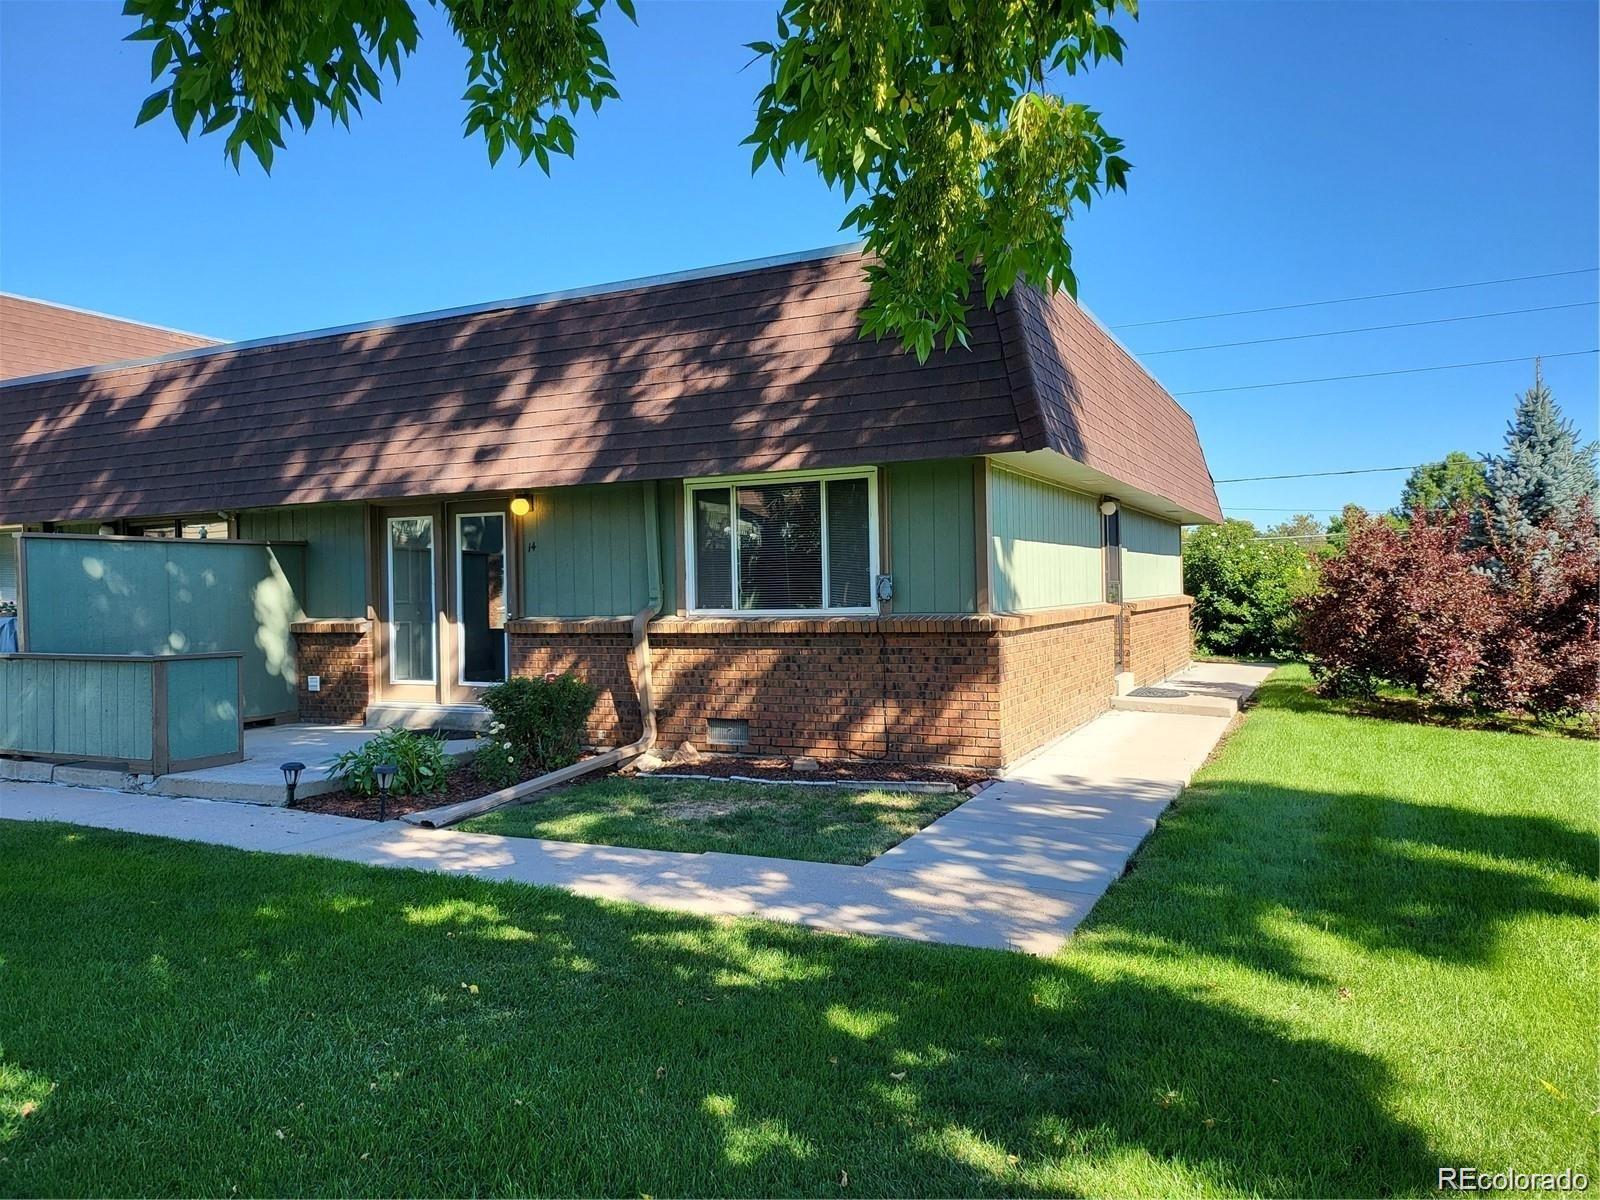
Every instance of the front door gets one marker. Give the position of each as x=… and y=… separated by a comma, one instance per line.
x=479, y=599
x=446, y=589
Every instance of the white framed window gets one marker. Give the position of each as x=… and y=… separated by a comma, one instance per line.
x=782, y=544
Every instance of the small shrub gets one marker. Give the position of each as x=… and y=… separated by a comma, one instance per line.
x=1407, y=607
x=419, y=759
x=542, y=719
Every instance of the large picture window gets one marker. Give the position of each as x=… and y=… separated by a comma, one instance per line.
x=783, y=544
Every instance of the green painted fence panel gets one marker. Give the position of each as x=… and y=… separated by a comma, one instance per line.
x=202, y=708
x=76, y=708
x=932, y=547
x=169, y=596
x=1045, y=544
x=585, y=551
x=1152, y=562
x=336, y=552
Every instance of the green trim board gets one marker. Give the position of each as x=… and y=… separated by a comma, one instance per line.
x=335, y=536
x=1152, y=562
x=1045, y=544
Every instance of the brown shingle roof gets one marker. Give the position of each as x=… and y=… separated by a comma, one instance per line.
x=36, y=336
x=758, y=368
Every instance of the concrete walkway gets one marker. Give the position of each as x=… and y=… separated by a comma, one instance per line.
x=1018, y=866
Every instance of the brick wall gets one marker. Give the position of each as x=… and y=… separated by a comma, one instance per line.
x=1158, y=634
x=1056, y=673
x=594, y=650
x=974, y=691
x=340, y=653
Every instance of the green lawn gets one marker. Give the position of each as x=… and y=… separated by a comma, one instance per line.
x=814, y=823
x=1355, y=952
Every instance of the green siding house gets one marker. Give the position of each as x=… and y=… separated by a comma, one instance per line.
x=812, y=542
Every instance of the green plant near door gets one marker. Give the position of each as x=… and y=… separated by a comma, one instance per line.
x=538, y=723
x=419, y=760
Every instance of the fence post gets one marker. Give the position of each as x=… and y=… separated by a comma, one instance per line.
x=160, y=755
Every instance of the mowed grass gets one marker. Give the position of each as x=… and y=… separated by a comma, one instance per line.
x=817, y=824
x=1356, y=951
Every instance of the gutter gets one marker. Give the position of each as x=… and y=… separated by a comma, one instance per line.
x=638, y=668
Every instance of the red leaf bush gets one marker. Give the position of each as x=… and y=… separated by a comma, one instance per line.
x=1407, y=607
x=1544, y=655
x=1507, y=627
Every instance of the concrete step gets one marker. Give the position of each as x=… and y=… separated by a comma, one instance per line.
x=1191, y=705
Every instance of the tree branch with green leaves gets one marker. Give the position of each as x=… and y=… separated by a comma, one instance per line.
x=938, y=113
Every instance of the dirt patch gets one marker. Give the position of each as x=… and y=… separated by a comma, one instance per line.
x=707, y=809
x=779, y=769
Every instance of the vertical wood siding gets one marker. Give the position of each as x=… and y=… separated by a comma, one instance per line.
x=585, y=551
x=336, y=552
x=95, y=709
x=202, y=707
x=931, y=536
x=1045, y=544
x=1152, y=564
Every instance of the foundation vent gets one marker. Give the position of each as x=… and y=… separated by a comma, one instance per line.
x=727, y=733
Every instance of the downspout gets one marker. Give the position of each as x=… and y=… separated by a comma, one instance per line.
x=638, y=668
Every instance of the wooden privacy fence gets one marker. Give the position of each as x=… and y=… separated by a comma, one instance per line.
x=155, y=713
x=94, y=595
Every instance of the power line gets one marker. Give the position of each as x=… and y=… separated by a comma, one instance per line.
x=1304, y=508
x=1299, y=337
x=1487, y=362
x=1319, y=474
x=1449, y=287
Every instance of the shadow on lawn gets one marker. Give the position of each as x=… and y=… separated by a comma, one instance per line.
x=476, y=1038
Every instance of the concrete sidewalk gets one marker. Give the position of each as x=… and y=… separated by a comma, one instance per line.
x=1018, y=866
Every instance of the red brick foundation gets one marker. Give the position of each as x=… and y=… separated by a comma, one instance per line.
x=1055, y=675
x=1159, y=637
x=340, y=653
x=972, y=691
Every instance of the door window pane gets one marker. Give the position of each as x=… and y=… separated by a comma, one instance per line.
x=849, y=544
x=780, y=545
x=712, y=552
x=481, y=580
x=411, y=600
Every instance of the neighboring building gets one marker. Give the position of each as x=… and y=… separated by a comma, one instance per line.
x=852, y=553
x=37, y=336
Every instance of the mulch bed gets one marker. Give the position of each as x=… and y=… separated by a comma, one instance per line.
x=779, y=769
x=462, y=783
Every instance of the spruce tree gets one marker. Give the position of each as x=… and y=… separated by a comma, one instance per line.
x=1544, y=469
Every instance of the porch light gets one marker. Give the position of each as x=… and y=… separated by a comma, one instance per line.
x=1108, y=507
x=291, y=777
x=385, y=773
x=520, y=506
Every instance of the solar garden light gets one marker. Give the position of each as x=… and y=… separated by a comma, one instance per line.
x=385, y=773
x=291, y=777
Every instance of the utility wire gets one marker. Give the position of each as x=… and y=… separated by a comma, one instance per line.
x=1487, y=362
x=1300, y=337
x=1449, y=287
x=1319, y=474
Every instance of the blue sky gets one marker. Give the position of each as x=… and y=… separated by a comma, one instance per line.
x=1283, y=153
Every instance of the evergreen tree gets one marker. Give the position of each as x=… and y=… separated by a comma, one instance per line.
x=1544, y=470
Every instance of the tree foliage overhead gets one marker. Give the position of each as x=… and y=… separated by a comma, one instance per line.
x=937, y=113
